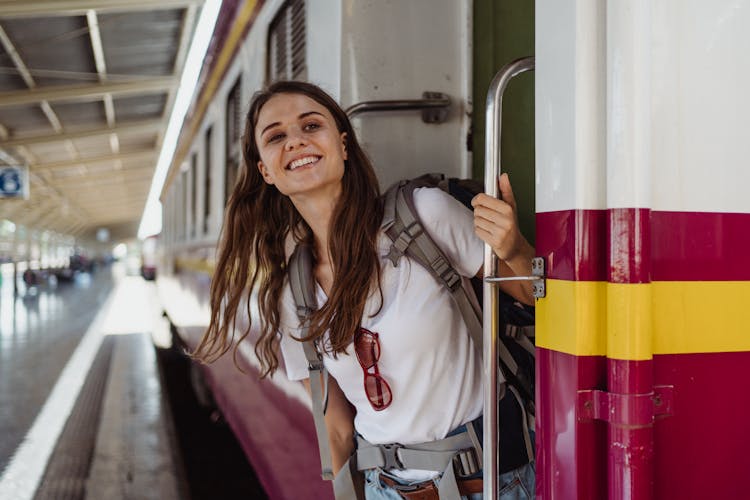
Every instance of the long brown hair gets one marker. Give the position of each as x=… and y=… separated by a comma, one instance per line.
x=251, y=250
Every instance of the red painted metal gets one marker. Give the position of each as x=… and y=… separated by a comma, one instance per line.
x=570, y=464
x=700, y=246
x=629, y=245
x=630, y=451
x=703, y=450
x=630, y=455
x=573, y=244
x=625, y=409
x=686, y=246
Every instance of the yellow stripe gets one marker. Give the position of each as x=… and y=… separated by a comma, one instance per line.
x=701, y=316
x=212, y=84
x=629, y=324
x=679, y=317
x=204, y=266
x=572, y=318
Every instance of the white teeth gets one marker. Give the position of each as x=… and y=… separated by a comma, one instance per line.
x=302, y=161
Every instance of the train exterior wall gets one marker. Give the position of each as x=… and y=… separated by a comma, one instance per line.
x=643, y=336
x=271, y=418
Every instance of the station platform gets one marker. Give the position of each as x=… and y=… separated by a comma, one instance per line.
x=84, y=413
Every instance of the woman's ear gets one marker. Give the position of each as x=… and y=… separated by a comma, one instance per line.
x=264, y=172
x=343, y=145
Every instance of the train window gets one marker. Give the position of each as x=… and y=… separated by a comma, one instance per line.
x=207, y=180
x=193, y=194
x=183, y=205
x=286, y=43
x=233, y=127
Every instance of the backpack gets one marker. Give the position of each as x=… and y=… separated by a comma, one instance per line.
x=516, y=349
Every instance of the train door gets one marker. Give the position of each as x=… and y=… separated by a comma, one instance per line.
x=503, y=32
x=642, y=338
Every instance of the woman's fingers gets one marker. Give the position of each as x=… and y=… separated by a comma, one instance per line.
x=492, y=209
x=495, y=220
x=506, y=191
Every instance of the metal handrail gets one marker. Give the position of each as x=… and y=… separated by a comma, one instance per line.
x=491, y=320
x=434, y=102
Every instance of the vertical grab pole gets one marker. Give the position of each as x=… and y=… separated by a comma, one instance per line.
x=491, y=320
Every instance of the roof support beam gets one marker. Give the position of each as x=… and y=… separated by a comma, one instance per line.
x=23, y=70
x=87, y=92
x=24, y=8
x=107, y=179
x=145, y=155
x=140, y=126
x=101, y=68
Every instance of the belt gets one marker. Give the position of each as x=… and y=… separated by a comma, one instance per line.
x=428, y=490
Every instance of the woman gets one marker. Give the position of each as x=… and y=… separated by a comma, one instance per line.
x=306, y=181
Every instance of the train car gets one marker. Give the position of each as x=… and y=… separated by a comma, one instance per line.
x=627, y=148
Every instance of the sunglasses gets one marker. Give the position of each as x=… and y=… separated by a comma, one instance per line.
x=367, y=347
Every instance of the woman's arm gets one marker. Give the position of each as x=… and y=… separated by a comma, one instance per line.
x=339, y=419
x=496, y=223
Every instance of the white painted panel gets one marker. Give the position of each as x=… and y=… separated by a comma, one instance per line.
x=628, y=146
x=701, y=105
x=324, y=45
x=397, y=50
x=570, y=105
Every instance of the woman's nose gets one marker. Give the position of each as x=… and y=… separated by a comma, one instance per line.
x=295, y=139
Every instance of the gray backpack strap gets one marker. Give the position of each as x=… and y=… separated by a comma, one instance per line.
x=403, y=227
x=410, y=238
x=300, y=271
x=522, y=334
x=456, y=454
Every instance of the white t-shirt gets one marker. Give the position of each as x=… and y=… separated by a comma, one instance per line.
x=427, y=356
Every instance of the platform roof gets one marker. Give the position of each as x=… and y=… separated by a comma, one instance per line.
x=86, y=89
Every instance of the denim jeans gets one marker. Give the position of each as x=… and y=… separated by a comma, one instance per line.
x=517, y=484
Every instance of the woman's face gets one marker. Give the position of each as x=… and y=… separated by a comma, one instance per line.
x=301, y=150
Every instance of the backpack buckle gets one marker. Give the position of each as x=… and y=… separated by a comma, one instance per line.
x=465, y=463
x=390, y=456
x=449, y=276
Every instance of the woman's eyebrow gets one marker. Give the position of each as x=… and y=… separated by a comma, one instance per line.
x=301, y=116
x=305, y=115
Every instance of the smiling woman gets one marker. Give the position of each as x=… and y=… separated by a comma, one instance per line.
x=306, y=183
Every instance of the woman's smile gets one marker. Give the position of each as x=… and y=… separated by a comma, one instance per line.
x=304, y=161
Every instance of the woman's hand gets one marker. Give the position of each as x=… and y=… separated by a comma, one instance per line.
x=496, y=223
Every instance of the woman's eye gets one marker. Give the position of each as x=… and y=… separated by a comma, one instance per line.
x=311, y=126
x=275, y=137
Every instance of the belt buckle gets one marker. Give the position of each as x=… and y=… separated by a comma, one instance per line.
x=465, y=463
x=390, y=456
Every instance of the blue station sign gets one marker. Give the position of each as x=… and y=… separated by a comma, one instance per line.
x=14, y=182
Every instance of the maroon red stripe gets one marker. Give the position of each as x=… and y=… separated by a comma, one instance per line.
x=631, y=245
x=700, y=450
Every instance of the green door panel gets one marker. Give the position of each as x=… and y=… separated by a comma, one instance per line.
x=503, y=32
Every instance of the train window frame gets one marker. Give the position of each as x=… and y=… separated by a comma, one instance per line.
x=232, y=135
x=183, y=205
x=193, y=215
x=207, y=177
x=287, y=34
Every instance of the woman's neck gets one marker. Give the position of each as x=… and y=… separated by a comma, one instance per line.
x=318, y=213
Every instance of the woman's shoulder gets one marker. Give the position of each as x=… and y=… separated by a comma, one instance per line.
x=434, y=205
